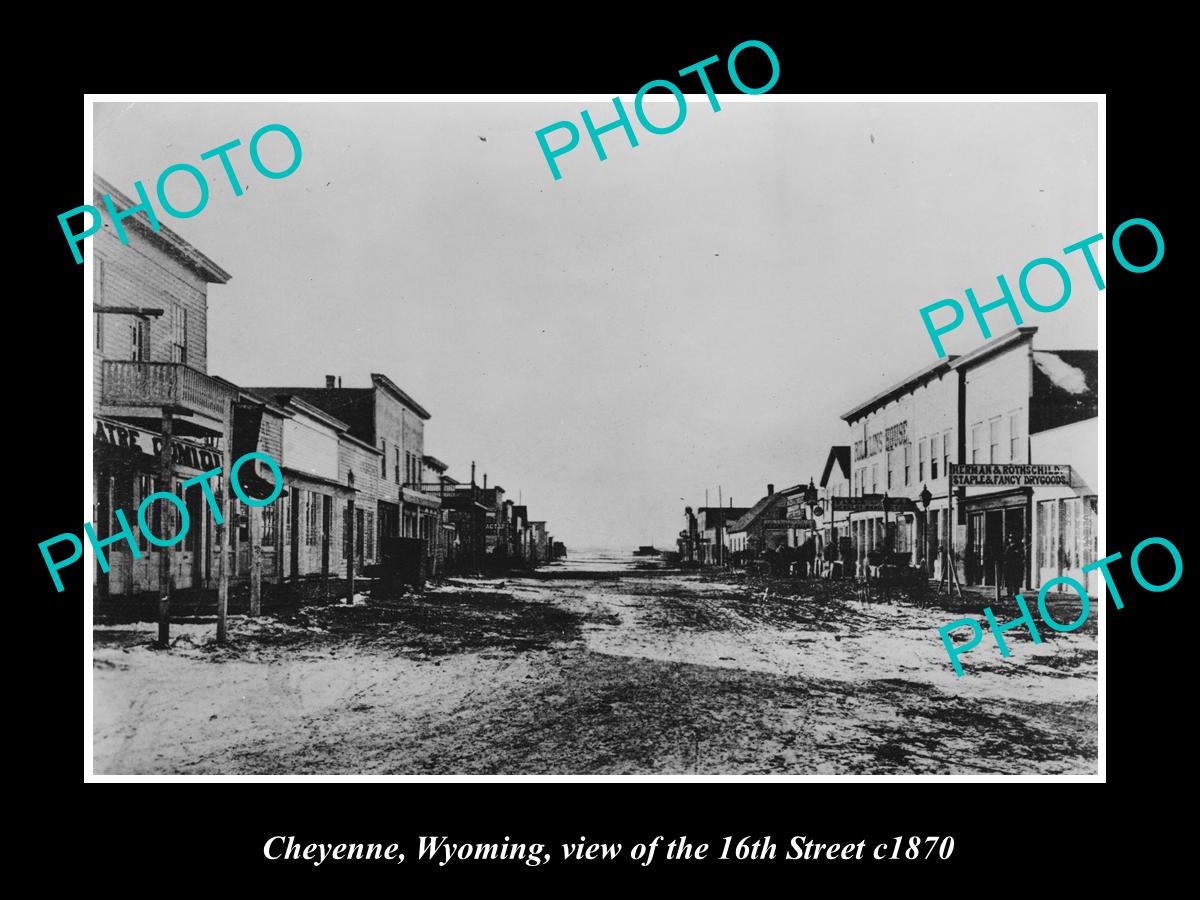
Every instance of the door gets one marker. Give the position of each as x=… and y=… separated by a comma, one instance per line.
x=194, y=541
x=993, y=545
x=1014, y=529
x=326, y=528
x=974, y=549
x=296, y=501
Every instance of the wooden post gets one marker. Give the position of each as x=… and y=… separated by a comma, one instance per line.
x=350, y=554
x=223, y=537
x=165, y=471
x=255, y=515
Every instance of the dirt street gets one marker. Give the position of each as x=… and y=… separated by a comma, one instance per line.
x=599, y=669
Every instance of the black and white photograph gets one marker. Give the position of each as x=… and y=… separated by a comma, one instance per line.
x=513, y=436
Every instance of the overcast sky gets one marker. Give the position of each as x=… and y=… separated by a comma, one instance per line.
x=693, y=312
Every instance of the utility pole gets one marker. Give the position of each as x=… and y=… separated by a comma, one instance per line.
x=223, y=536
x=165, y=468
x=720, y=523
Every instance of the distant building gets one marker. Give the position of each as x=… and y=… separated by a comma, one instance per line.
x=387, y=477
x=712, y=545
x=764, y=526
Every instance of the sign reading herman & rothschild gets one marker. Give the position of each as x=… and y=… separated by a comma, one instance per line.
x=1008, y=474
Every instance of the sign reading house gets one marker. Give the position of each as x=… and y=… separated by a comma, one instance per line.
x=1008, y=474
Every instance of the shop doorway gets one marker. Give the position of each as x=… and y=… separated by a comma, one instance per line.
x=1014, y=527
x=326, y=529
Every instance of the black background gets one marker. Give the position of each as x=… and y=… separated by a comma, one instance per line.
x=192, y=837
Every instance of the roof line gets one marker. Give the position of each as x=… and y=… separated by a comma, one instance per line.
x=1006, y=340
x=386, y=383
x=900, y=388
x=173, y=241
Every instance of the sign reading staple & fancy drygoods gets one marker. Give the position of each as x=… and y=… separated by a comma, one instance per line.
x=1009, y=474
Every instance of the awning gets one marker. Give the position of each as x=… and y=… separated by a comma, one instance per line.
x=416, y=498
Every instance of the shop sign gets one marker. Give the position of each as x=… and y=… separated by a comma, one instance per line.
x=873, y=503
x=184, y=453
x=888, y=439
x=1008, y=474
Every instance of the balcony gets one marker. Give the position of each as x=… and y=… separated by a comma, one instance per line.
x=146, y=388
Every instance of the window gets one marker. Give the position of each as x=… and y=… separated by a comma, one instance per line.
x=397, y=473
x=312, y=519
x=994, y=440
x=347, y=521
x=369, y=534
x=1071, y=521
x=977, y=443
x=268, y=525
x=888, y=463
x=1047, y=513
x=907, y=462
x=99, y=298
x=179, y=330
x=383, y=459
x=139, y=339
x=946, y=453
x=921, y=447
x=145, y=487
x=358, y=535
x=1015, y=453
x=875, y=478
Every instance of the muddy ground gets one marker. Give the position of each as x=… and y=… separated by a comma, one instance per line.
x=617, y=671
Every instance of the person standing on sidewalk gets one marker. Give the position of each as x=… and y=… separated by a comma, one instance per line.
x=1014, y=565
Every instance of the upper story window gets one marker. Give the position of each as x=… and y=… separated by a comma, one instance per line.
x=1015, y=449
x=383, y=459
x=139, y=339
x=978, y=449
x=396, y=467
x=99, y=300
x=994, y=440
x=921, y=447
x=179, y=333
x=907, y=463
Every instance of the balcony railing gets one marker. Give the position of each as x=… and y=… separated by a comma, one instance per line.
x=174, y=385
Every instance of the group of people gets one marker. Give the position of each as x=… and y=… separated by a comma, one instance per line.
x=1007, y=564
x=781, y=561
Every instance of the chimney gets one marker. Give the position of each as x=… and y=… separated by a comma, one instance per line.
x=330, y=381
x=472, y=473
x=485, y=481
x=339, y=382
x=770, y=490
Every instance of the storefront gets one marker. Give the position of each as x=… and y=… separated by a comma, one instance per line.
x=126, y=461
x=994, y=523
